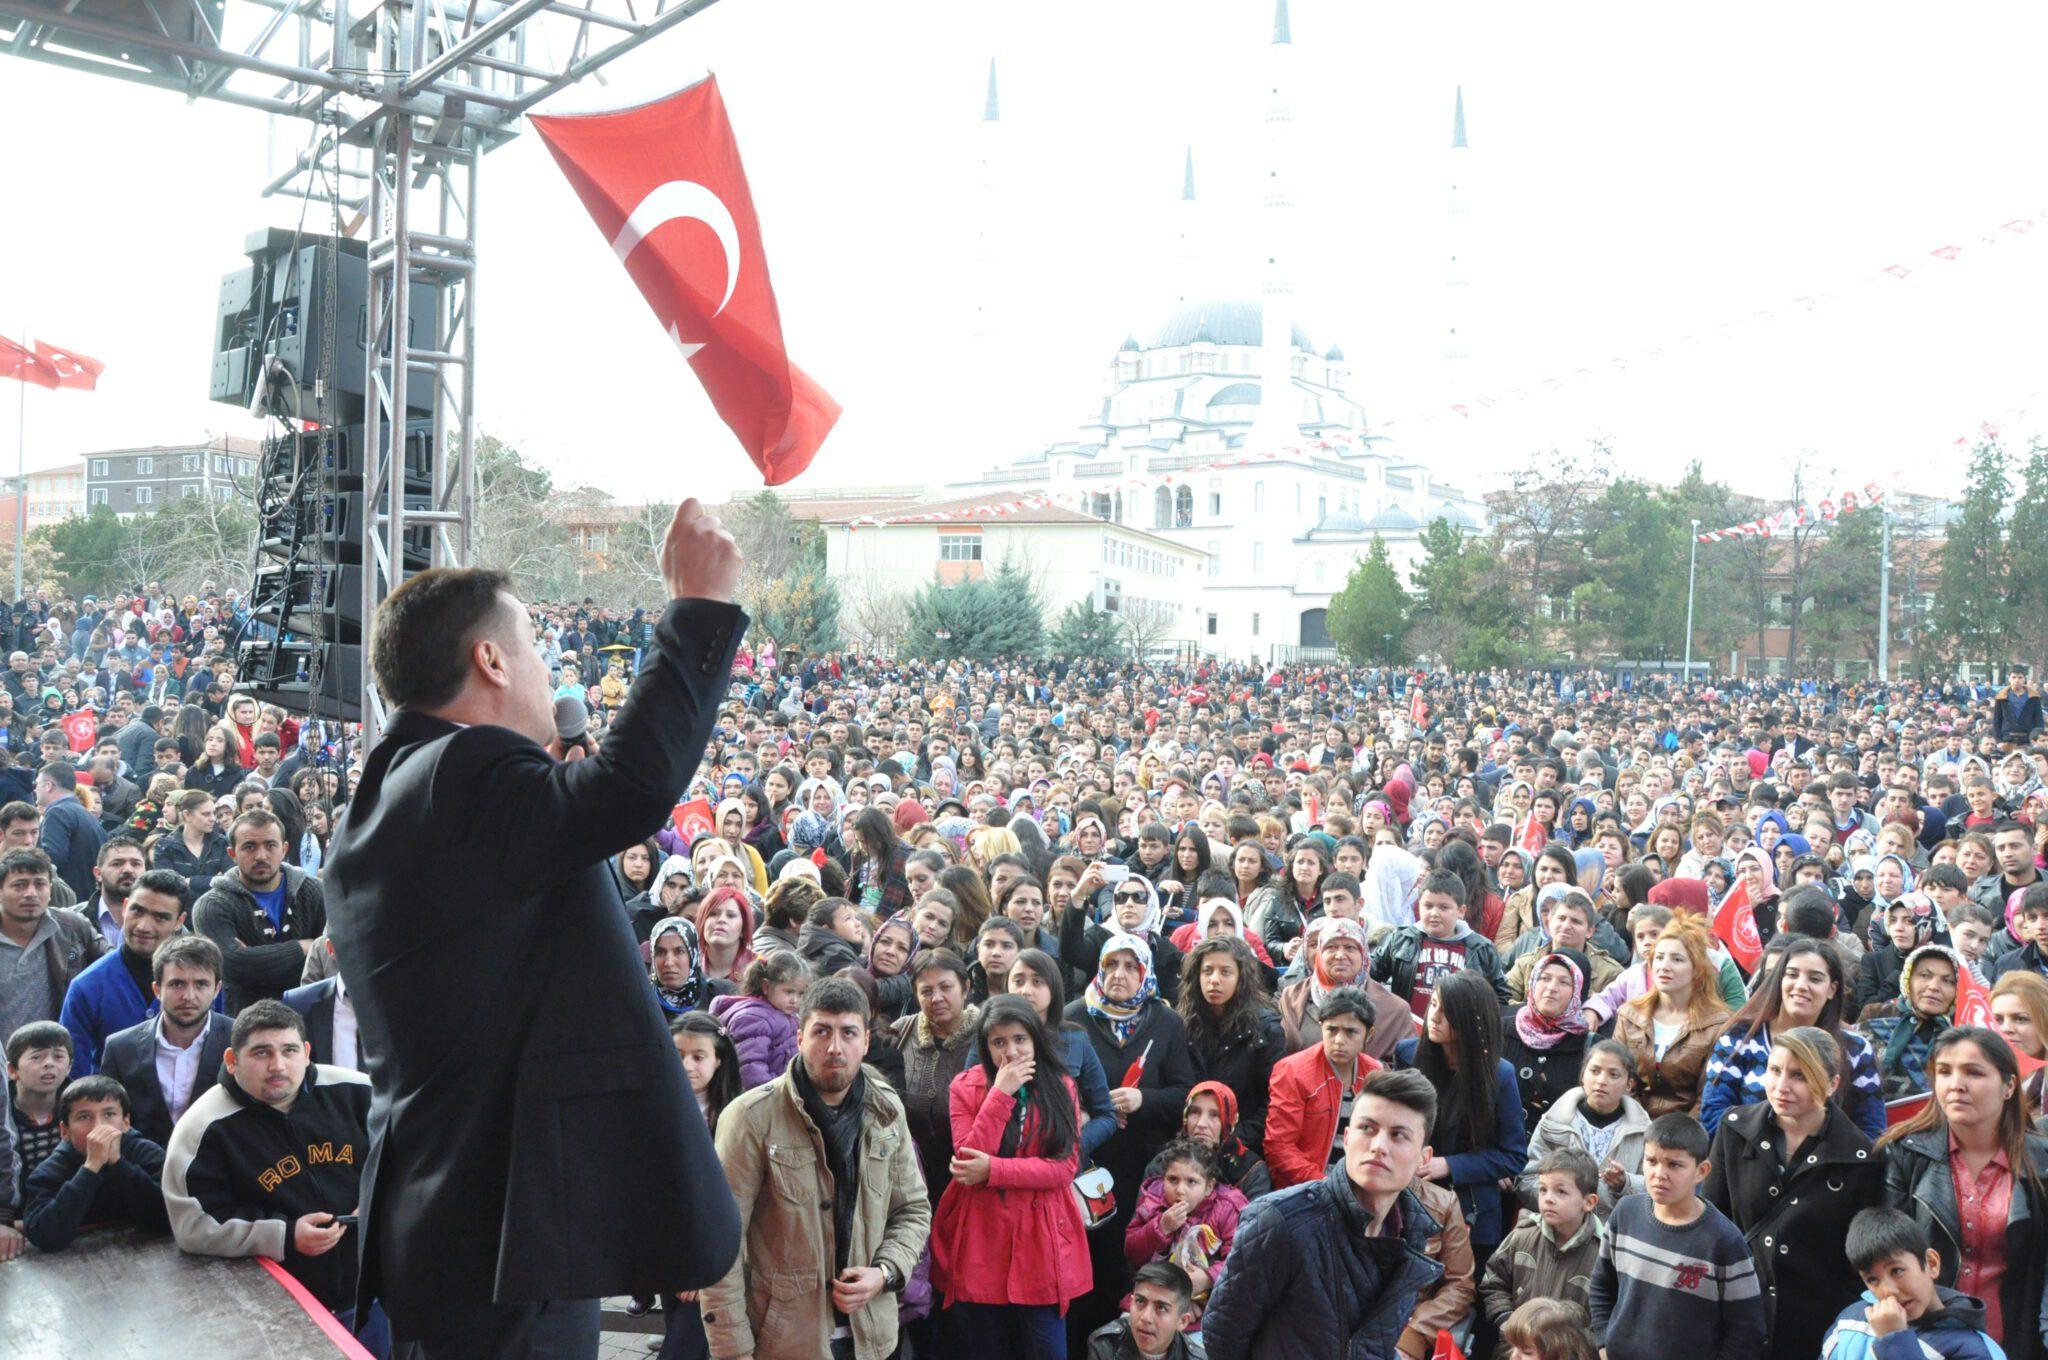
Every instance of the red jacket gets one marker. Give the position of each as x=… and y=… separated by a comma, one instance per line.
x=1019, y=1238
x=1301, y=1121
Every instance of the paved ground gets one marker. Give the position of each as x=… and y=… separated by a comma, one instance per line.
x=627, y=1338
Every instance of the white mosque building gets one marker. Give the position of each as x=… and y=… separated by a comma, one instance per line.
x=1254, y=454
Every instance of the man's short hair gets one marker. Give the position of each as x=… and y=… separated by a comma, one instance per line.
x=1680, y=1133
x=1945, y=876
x=254, y=817
x=167, y=882
x=38, y=1034
x=167, y=744
x=1404, y=1087
x=97, y=1087
x=26, y=860
x=61, y=775
x=18, y=811
x=1002, y=925
x=182, y=951
x=1168, y=1276
x=266, y=1014
x=266, y=741
x=832, y=996
x=1341, y=882
x=120, y=840
x=420, y=639
x=1808, y=910
x=1573, y=1162
x=1348, y=1001
x=1878, y=1234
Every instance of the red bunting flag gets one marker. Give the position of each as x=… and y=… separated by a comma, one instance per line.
x=664, y=184
x=1735, y=923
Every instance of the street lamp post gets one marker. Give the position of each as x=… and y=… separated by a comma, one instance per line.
x=1692, y=574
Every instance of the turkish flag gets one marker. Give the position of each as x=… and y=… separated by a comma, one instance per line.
x=664, y=184
x=20, y=363
x=81, y=729
x=692, y=819
x=1735, y=923
x=1446, y=1347
x=1532, y=837
x=1973, y=1001
x=71, y=368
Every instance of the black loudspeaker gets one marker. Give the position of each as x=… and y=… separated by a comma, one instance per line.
x=328, y=527
x=276, y=307
x=321, y=600
x=337, y=457
x=282, y=672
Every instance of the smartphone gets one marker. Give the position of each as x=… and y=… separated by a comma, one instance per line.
x=344, y=1221
x=1114, y=874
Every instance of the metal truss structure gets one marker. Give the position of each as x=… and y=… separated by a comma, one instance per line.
x=407, y=96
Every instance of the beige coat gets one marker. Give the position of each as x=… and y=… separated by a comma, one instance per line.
x=776, y=1302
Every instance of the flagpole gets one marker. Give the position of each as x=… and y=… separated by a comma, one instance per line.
x=1692, y=575
x=20, y=481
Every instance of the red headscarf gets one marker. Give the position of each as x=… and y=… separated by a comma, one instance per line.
x=1226, y=1102
x=1684, y=894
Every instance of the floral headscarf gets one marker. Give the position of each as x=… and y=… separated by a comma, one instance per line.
x=1122, y=1017
x=1320, y=933
x=1540, y=1031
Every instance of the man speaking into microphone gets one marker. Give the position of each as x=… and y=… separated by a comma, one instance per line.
x=534, y=1145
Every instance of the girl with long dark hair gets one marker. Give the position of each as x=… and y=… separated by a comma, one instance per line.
x=877, y=870
x=1969, y=1172
x=1234, y=1035
x=1480, y=1136
x=1036, y=979
x=712, y=1066
x=1009, y=1248
x=1804, y=987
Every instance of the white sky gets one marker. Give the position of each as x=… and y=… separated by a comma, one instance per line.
x=1639, y=173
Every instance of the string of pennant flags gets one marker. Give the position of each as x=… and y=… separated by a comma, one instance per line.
x=1823, y=511
x=2021, y=227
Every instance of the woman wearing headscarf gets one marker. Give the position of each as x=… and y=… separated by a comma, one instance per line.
x=1546, y=1040
x=664, y=895
x=1219, y=916
x=1337, y=957
x=1758, y=875
x=1929, y=985
x=887, y=960
x=1134, y=909
x=1142, y=1045
x=1553, y=864
x=676, y=967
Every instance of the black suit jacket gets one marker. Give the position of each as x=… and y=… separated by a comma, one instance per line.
x=129, y=1057
x=315, y=1001
x=531, y=1134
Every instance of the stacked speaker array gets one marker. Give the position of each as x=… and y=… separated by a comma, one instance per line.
x=290, y=343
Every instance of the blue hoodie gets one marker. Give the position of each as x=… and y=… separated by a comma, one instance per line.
x=1955, y=1332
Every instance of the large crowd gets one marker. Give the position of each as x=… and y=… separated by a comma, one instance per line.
x=1086, y=1008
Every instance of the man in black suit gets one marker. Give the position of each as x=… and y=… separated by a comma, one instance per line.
x=173, y=1058
x=533, y=1144
x=71, y=835
x=324, y=1003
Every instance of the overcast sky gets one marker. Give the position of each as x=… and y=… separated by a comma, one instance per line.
x=1639, y=174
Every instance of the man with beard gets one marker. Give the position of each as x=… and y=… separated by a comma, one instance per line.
x=794, y=1217
x=265, y=915
x=120, y=865
x=115, y=992
x=172, y=1059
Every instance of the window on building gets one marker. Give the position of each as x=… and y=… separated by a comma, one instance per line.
x=99, y=469
x=959, y=547
x=191, y=489
x=145, y=466
x=1258, y=558
x=1258, y=496
x=221, y=493
x=99, y=495
x=1212, y=625
x=1255, y=625
x=145, y=495
x=1184, y=508
x=190, y=462
x=1215, y=498
x=1215, y=558
x=1162, y=508
x=1112, y=596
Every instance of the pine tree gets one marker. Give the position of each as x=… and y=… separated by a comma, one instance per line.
x=1971, y=615
x=1368, y=618
x=2027, y=558
x=1085, y=633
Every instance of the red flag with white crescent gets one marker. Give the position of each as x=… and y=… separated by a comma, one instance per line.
x=20, y=363
x=69, y=367
x=1973, y=1001
x=664, y=184
x=1735, y=923
x=1531, y=835
x=691, y=819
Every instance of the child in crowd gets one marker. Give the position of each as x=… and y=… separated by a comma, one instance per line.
x=1601, y=1118
x=1672, y=1269
x=712, y=1067
x=1154, y=1319
x=38, y=1062
x=762, y=1018
x=1551, y=1256
x=1926, y=1006
x=1412, y=960
x=103, y=1172
x=1904, y=1314
x=1544, y=1329
x=1970, y=926
x=2028, y=924
x=1877, y=977
x=1186, y=1217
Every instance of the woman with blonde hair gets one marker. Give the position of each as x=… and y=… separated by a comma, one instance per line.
x=988, y=844
x=1671, y=1029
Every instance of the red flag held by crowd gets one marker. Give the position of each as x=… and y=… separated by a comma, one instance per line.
x=1973, y=1001
x=692, y=819
x=664, y=184
x=1531, y=835
x=1735, y=923
x=1446, y=1347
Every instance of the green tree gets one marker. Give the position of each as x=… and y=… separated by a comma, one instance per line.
x=1637, y=560
x=1467, y=613
x=1021, y=618
x=783, y=582
x=977, y=620
x=87, y=550
x=1085, y=631
x=1971, y=615
x=1841, y=582
x=1368, y=618
x=2027, y=558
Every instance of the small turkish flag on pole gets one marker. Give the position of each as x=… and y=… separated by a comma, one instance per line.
x=664, y=184
x=70, y=368
x=1735, y=923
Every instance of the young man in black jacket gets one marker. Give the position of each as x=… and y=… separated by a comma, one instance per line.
x=265, y=915
x=103, y=1171
x=268, y=1162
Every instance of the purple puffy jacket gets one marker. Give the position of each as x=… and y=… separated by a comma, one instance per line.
x=764, y=1036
